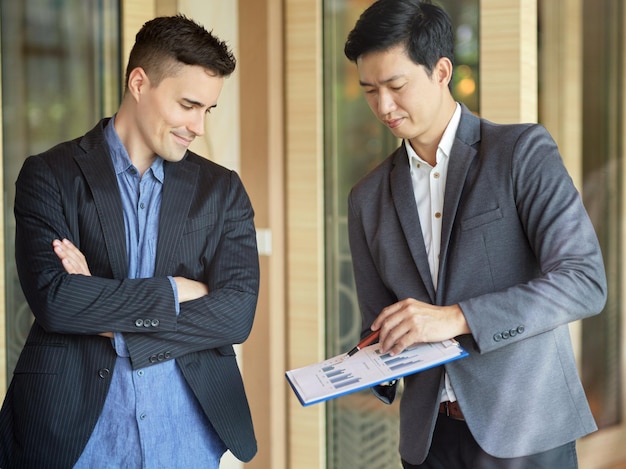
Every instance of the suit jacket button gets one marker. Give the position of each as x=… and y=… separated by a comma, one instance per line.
x=153, y=359
x=513, y=332
x=497, y=337
x=161, y=357
x=520, y=330
x=139, y=322
x=154, y=322
x=146, y=323
x=505, y=335
x=104, y=373
x=168, y=355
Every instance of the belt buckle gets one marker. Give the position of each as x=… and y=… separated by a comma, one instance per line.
x=451, y=410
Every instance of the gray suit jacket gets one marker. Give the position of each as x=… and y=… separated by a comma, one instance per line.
x=206, y=232
x=521, y=258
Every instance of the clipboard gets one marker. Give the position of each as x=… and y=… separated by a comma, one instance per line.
x=341, y=375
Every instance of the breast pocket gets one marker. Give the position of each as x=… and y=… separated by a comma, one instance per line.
x=481, y=219
x=204, y=222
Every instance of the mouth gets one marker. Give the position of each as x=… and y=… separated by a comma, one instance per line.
x=393, y=123
x=183, y=140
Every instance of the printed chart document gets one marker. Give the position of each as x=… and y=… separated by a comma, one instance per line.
x=342, y=375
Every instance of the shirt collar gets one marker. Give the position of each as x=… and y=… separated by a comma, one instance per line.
x=119, y=155
x=447, y=139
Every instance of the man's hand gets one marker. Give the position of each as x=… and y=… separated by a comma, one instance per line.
x=190, y=289
x=410, y=321
x=74, y=262
x=72, y=259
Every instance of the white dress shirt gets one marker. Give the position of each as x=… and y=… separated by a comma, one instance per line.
x=429, y=185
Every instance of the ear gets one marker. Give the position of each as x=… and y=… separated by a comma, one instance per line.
x=137, y=81
x=443, y=71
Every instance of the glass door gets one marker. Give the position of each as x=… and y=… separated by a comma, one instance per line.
x=60, y=74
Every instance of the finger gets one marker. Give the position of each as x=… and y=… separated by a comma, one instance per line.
x=385, y=314
x=392, y=332
x=68, y=266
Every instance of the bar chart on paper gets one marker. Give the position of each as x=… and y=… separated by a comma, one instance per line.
x=342, y=375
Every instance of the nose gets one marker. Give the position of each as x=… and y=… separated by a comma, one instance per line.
x=386, y=103
x=196, y=125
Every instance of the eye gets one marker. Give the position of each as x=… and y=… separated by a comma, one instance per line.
x=186, y=106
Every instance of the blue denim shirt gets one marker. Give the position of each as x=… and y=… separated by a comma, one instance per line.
x=150, y=419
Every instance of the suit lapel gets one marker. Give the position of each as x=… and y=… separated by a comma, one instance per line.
x=461, y=157
x=178, y=190
x=98, y=170
x=404, y=202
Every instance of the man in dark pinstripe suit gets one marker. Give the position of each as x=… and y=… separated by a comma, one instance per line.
x=138, y=259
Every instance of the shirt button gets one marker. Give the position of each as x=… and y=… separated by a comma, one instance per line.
x=437, y=214
x=436, y=175
x=141, y=205
x=140, y=373
x=143, y=416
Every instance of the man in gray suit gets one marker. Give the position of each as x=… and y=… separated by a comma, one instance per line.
x=138, y=259
x=474, y=231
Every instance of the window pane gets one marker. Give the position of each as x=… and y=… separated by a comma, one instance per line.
x=60, y=74
x=602, y=193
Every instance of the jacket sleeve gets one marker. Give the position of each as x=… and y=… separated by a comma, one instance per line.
x=570, y=282
x=231, y=271
x=75, y=304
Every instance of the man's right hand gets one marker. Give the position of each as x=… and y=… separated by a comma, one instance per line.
x=74, y=262
x=190, y=289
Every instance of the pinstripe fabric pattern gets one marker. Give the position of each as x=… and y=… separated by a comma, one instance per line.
x=206, y=232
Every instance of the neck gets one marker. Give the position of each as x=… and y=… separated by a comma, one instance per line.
x=139, y=154
x=426, y=145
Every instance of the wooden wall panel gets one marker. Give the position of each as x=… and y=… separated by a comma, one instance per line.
x=305, y=221
x=261, y=78
x=508, y=60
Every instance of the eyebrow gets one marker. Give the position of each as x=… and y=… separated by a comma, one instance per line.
x=195, y=103
x=384, y=82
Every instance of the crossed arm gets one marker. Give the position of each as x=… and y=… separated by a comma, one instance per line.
x=74, y=262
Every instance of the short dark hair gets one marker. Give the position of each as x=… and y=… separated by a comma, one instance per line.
x=423, y=28
x=166, y=43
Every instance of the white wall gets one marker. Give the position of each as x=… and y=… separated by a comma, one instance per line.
x=221, y=142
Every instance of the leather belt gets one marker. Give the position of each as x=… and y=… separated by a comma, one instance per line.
x=452, y=410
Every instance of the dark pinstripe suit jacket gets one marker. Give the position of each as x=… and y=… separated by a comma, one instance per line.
x=206, y=233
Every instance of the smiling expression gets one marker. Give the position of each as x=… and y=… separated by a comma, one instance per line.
x=170, y=115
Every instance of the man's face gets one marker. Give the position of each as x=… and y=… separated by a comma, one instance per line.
x=402, y=95
x=171, y=114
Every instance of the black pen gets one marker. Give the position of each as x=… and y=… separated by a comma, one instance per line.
x=364, y=343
